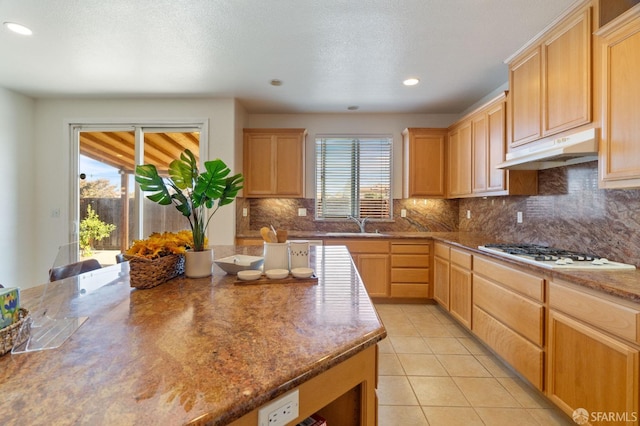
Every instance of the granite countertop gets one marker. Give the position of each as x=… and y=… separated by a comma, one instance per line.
x=204, y=350
x=622, y=283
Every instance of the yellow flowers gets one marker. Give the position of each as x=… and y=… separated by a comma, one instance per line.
x=158, y=245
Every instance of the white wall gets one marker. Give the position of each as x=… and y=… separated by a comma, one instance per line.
x=51, y=157
x=18, y=239
x=352, y=123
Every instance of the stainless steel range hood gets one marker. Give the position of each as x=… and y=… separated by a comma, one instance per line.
x=572, y=149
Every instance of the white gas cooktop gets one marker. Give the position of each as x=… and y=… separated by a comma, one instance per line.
x=553, y=258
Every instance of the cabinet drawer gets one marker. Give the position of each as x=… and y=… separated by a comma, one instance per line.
x=523, y=355
x=361, y=246
x=461, y=258
x=529, y=285
x=519, y=313
x=410, y=290
x=441, y=250
x=409, y=275
x=598, y=310
x=410, y=248
x=409, y=261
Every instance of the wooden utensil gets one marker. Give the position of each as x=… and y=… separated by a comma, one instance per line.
x=282, y=235
x=264, y=231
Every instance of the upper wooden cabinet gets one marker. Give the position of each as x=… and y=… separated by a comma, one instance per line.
x=525, y=82
x=460, y=159
x=550, y=79
x=424, y=162
x=619, y=160
x=477, y=144
x=274, y=163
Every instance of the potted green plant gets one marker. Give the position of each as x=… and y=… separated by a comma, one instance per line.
x=192, y=193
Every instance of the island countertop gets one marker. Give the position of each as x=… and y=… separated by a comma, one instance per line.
x=205, y=350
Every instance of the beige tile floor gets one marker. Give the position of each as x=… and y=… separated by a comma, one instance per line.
x=433, y=372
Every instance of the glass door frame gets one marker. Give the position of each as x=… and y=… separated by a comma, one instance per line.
x=149, y=126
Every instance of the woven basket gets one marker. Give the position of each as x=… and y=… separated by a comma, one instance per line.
x=147, y=273
x=9, y=335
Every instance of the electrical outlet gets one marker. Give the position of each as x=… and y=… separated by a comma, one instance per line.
x=403, y=212
x=468, y=214
x=281, y=411
x=519, y=217
x=302, y=212
x=55, y=213
x=245, y=212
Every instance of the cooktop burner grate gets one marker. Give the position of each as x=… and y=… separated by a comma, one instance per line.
x=539, y=252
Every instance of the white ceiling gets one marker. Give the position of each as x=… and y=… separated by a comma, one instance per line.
x=329, y=54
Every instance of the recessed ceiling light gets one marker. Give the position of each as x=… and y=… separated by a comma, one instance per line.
x=411, y=81
x=275, y=82
x=17, y=28
x=353, y=107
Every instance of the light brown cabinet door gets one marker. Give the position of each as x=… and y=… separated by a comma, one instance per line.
x=460, y=161
x=441, y=281
x=525, y=98
x=460, y=294
x=588, y=369
x=274, y=162
x=497, y=144
x=424, y=162
x=290, y=166
x=374, y=271
x=567, y=75
x=259, y=157
x=620, y=149
x=480, y=151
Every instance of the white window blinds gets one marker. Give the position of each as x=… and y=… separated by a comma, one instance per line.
x=353, y=177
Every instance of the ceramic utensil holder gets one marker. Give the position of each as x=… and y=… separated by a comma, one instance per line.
x=276, y=256
x=299, y=254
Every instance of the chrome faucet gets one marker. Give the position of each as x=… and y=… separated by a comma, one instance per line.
x=360, y=222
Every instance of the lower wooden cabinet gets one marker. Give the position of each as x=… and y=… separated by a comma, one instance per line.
x=460, y=286
x=593, y=354
x=374, y=271
x=525, y=357
x=410, y=263
x=441, y=266
x=372, y=260
x=589, y=369
x=452, y=277
x=508, y=315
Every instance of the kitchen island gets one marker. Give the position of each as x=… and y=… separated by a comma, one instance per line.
x=202, y=351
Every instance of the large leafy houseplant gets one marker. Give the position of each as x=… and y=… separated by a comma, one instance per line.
x=192, y=192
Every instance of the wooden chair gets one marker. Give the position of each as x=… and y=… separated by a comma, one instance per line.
x=73, y=269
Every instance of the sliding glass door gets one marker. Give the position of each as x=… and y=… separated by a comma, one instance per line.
x=110, y=210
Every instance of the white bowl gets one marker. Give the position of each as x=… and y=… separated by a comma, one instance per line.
x=277, y=274
x=239, y=262
x=249, y=275
x=302, y=272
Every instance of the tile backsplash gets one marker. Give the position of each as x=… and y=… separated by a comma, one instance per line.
x=570, y=212
x=422, y=215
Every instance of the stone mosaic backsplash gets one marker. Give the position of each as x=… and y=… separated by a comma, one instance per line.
x=422, y=216
x=570, y=212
